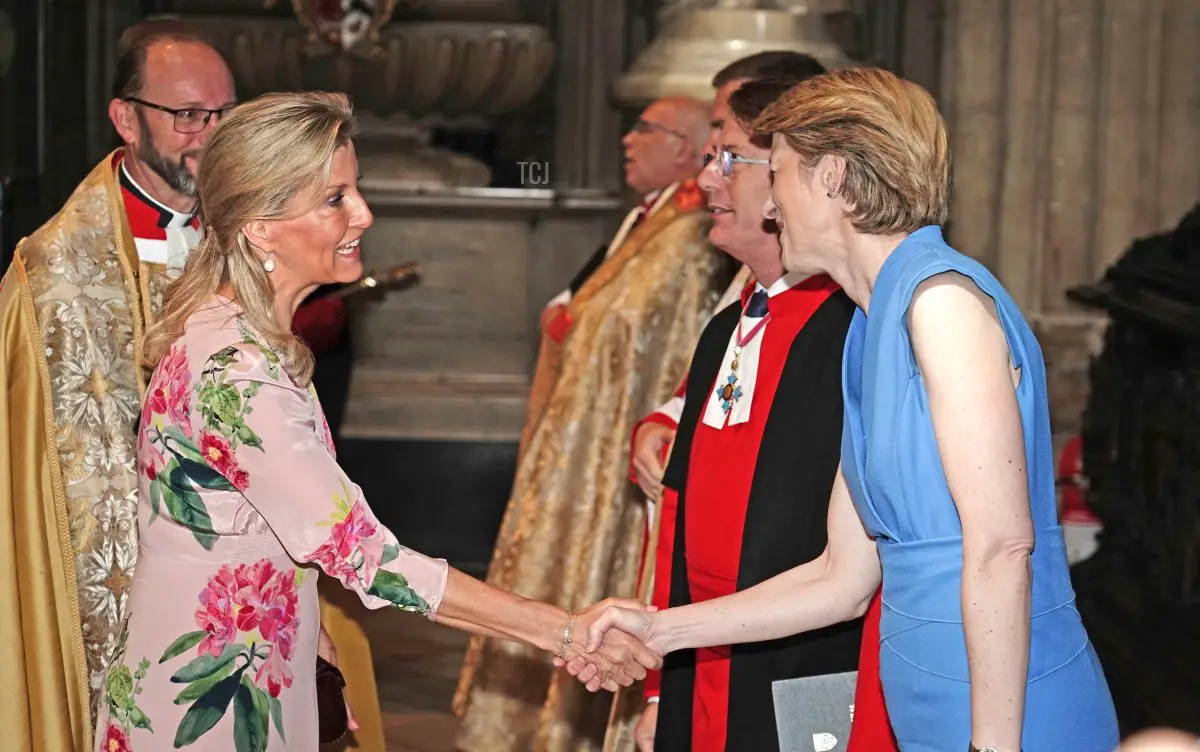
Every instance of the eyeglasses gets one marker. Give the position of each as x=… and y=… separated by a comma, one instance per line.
x=188, y=119
x=645, y=126
x=725, y=160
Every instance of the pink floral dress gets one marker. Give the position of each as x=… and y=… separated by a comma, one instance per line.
x=241, y=502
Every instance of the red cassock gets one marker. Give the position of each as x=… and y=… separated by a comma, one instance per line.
x=721, y=486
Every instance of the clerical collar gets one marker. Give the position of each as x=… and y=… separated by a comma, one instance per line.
x=794, y=292
x=783, y=284
x=167, y=217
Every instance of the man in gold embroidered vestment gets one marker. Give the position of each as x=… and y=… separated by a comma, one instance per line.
x=73, y=308
x=614, y=346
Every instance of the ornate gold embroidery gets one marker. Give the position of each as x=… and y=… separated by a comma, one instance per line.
x=78, y=267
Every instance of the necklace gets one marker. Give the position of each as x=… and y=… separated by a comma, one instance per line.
x=731, y=391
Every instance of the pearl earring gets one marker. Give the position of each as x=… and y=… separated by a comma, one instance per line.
x=269, y=263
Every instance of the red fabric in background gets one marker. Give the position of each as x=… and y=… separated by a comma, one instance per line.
x=871, y=731
x=320, y=322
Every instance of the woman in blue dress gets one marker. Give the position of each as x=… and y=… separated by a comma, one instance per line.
x=946, y=489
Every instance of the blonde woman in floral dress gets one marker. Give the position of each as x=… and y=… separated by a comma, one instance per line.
x=242, y=502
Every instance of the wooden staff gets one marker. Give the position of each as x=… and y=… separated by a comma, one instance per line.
x=612, y=736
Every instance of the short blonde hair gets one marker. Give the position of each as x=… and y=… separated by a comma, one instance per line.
x=888, y=131
x=261, y=156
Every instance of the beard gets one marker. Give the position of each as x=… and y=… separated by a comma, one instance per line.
x=173, y=173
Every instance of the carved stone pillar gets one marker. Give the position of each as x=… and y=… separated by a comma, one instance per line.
x=55, y=74
x=590, y=39
x=1075, y=129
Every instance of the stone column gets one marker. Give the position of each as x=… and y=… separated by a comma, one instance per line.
x=1075, y=127
x=590, y=39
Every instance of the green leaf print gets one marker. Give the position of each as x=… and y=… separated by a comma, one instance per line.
x=207, y=665
x=155, y=498
x=205, y=476
x=196, y=689
x=195, y=466
x=246, y=436
x=223, y=358
x=119, y=684
x=180, y=445
x=224, y=408
x=186, y=507
x=251, y=712
x=277, y=716
x=393, y=587
x=252, y=339
x=222, y=405
x=139, y=719
x=121, y=688
x=391, y=552
x=182, y=643
x=208, y=710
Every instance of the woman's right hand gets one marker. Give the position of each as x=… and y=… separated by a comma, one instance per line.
x=638, y=624
x=618, y=658
x=614, y=624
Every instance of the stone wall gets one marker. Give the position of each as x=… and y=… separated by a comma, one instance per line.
x=452, y=358
x=1075, y=126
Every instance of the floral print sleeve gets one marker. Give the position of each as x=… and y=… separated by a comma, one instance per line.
x=260, y=433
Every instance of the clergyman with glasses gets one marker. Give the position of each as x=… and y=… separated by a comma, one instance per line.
x=74, y=306
x=756, y=437
x=614, y=345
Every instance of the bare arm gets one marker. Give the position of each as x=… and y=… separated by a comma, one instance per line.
x=479, y=608
x=834, y=587
x=476, y=607
x=964, y=359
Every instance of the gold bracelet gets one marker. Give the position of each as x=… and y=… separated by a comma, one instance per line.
x=568, y=634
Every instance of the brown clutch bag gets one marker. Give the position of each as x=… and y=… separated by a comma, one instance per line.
x=331, y=702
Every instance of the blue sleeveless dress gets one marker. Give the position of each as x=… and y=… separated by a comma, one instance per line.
x=892, y=467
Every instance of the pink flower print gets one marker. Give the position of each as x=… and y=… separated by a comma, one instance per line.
x=169, y=393
x=115, y=740
x=275, y=671
x=328, y=436
x=215, y=450
x=266, y=599
x=153, y=460
x=216, y=612
x=352, y=545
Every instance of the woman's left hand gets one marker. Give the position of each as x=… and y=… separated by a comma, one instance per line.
x=327, y=650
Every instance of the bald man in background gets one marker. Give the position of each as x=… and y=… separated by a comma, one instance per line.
x=615, y=344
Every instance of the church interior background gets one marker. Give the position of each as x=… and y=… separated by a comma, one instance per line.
x=491, y=158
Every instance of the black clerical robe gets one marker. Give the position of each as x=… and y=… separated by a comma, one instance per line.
x=765, y=499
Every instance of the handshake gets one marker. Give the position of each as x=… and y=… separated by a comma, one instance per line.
x=611, y=644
